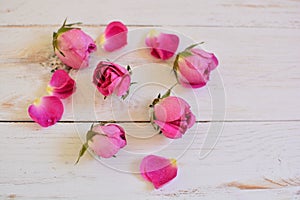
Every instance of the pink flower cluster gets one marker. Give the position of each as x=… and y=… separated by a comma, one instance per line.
x=171, y=115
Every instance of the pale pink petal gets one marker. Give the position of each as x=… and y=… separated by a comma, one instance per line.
x=213, y=61
x=158, y=170
x=76, y=47
x=193, y=72
x=123, y=86
x=163, y=46
x=61, y=84
x=103, y=146
x=170, y=108
x=115, y=36
x=46, y=111
x=114, y=132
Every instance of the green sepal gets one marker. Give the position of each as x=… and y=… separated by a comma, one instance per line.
x=193, y=45
x=82, y=151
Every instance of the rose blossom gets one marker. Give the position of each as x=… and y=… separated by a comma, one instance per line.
x=193, y=67
x=61, y=84
x=73, y=46
x=104, y=140
x=111, y=78
x=158, y=170
x=173, y=116
x=163, y=45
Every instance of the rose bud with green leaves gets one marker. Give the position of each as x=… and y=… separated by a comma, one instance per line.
x=158, y=170
x=73, y=46
x=163, y=45
x=46, y=111
x=61, y=84
x=104, y=140
x=172, y=115
x=111, y=78
x=193, y=66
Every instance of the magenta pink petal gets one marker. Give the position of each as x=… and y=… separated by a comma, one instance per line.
x=115, y=36
x=158, y=170
x=169, y=130
x=61, y=84
x=46, y=111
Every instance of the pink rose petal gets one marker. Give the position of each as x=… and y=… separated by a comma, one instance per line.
x=76, y=47
x=114, y=37
x=108, y=140
x=46, y=111
x=61, y=84
x=158, y=170
x=163, y=46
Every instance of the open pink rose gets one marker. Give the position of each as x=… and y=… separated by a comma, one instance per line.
x=193, y=67
x=114, y=36
x=163, y=45
x=73, y=46
x=173, y=116
x=104, y=140
x=46, y=111
x=61, y=84
x=111, y=78
x=158, y=170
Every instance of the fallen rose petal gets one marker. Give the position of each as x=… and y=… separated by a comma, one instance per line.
x=158, y=170
x=114, y=37
x=61, y=84
x=46, y=111
x=163, y=46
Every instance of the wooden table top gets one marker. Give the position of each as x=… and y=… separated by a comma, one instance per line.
x=245, y=144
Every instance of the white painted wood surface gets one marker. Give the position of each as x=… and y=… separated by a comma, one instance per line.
x=258, y=152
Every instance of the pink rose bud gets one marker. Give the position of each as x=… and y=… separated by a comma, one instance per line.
x=163, y=46
x=61, y=84
x=172, y=115
x=112, y=78
x=114, y=37
x=46, y=111
x=73, y=46
x=158, y=170
x=104, y=140
x=193, y=67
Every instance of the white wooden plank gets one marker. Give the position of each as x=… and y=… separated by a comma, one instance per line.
x=260, y=76
x=233, y=13
x=251, y=160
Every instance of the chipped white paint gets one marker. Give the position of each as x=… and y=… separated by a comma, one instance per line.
x=258, y=46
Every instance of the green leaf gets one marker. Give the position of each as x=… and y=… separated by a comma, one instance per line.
x=81, y=152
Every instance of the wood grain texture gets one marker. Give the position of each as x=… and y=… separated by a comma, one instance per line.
x=229, y=13
x=251, y=153
x=263, y=156
x=261, y=77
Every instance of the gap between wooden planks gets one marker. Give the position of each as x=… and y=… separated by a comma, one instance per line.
x=252, y=157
